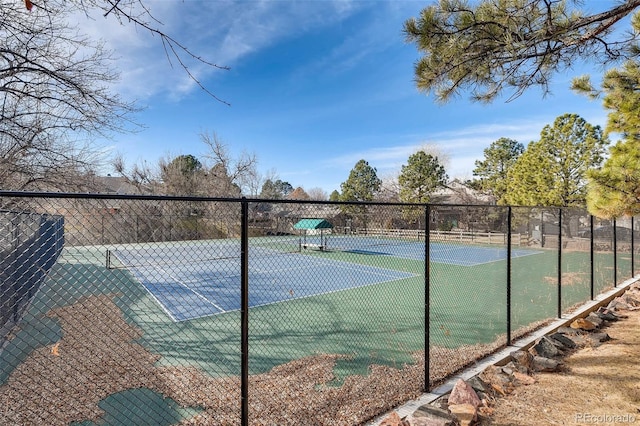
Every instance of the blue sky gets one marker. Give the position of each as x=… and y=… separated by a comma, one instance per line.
x=314, y=86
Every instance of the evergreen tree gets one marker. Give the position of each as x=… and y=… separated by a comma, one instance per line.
x=499, y=158
x=489, y=46
x=362, y=184
x=552, y=171
x=614, y=190
x=275, y=189
x=420, y=177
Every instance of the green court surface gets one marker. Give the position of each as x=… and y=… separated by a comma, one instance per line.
x=375, y=324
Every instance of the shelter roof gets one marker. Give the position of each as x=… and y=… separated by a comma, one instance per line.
x=313, y=224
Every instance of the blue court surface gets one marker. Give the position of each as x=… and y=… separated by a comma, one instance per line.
x=449, y=253
x=473, y=255
x=203, y=280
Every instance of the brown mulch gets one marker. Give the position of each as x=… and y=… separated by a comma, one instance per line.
x=98, y=356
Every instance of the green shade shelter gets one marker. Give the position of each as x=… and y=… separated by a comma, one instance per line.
x=313, y=224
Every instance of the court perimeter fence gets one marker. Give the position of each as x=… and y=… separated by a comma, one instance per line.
x=183, y=310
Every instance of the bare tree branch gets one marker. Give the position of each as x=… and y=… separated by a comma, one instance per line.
x=54, y=100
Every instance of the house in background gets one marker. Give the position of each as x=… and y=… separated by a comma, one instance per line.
x=114, y=185
x=457, y=192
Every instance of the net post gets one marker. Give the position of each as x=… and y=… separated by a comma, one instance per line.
x=108, y=259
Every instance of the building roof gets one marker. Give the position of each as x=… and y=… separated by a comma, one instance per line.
x=114, y=185
x=313, y=224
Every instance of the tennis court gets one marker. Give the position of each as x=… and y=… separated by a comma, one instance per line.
x=200, y=280
x=448, y=253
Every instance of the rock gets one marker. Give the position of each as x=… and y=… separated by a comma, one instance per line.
x=546, y=364
x=463, y=393
x=545, y=348
x=617, y=304
x=466, y=413
x=607, y=314
x=478, y=384
x=394, y=419
x=628, y=301
x=594, y=318
x=509, y=368
x=523, y=379
x=422, y=421
x=428, y=415
x=493, y=376
x=523, y=360
x=583, y=324
x=568, y=331
x=563, y=340
x=581, y=340
x=598, y=338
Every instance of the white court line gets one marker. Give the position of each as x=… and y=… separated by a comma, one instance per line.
x=310, y=261
x=193, y=291
x=463, y=263
x=153, y=296
x=316, y=261
x=135, y=273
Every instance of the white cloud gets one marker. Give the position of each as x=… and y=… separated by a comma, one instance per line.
x=460, y=147
x=221, y=32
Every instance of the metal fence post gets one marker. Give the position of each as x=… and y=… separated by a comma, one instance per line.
x=615, y=255
x=244, y=312
x=633, y=274
x=427, y=292
x=509, y=276
x=592, y=258
x=559, y=263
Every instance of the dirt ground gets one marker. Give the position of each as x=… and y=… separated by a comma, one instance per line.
x=598, y=385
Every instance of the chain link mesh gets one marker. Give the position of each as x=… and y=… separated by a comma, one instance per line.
x=127, y=310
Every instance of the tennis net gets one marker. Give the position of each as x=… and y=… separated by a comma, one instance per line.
x=193, y=254
x=373, y=243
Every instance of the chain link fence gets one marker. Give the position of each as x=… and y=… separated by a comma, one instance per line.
x=177, y=310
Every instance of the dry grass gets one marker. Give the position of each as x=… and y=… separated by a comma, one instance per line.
x=569, y=278
x=601, y=381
